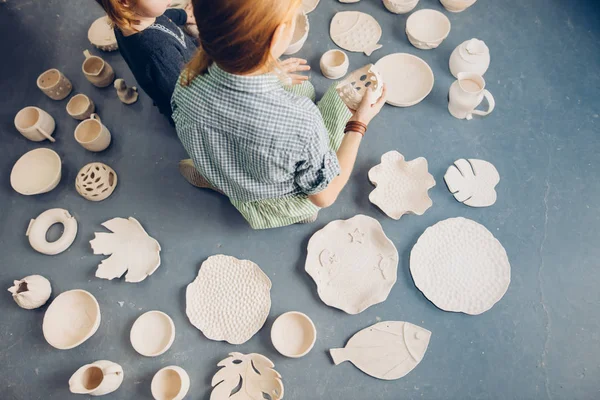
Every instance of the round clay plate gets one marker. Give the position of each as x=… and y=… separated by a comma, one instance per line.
x=71, y=319
x=408, y=79
x=152, y=333
x=293, y=334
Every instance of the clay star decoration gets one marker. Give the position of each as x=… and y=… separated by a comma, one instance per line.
x=401, y=186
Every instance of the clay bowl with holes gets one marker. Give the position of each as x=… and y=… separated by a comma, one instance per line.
x=161, y=339
x=96, y=181
x=71, y=319
x=170, y=383
x=36, y=172
x=426, y=29
x=300, y=34
x=293, y=334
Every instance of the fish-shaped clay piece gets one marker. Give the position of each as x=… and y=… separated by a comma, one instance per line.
x=309, y=6
x=355, y=31
x=387, y=350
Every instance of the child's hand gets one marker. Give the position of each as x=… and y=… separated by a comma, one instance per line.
x=370, y=106
x=292, y=65
x=190, y=14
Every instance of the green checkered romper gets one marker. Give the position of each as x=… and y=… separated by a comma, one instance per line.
x=265, y=146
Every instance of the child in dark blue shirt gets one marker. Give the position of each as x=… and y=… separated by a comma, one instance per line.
x=153, y=44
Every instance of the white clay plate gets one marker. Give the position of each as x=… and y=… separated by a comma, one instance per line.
x=408, y=79
x=293, y=334
x=353, y=263
x=152, y=333
x=460, y=266
x=71, y=319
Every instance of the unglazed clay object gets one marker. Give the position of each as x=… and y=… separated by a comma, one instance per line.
x=466, y=94
x=97, y=379
x=470, y=56
x=35, y=124
x=408, y=79
x=456, y=6
x=39, y=227
x=334, y=64
x=387, y=350
x=353, y=263
x=355, y=31
x=130, y=248
x=96, y=181
x=102, y=35
x=127, y=95
x=97, y=71
x=170, y=383
x=31, y=292
x=353, y=88
x=426, y=29
x=80, y=107
x=349, y=1
x=54, y=84
x=473, y=182
x=460, y=266
x=300, y=34
x=161, y=339
x=400, y=6
x=246, y=377
x=71, y=319
x=92, y=135
x=37, y=171
x=309, y=6
x=229, y=300
x=401, y=186
x=293, y=334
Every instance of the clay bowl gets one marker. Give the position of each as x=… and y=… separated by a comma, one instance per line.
x=408, y=79
x=71, y=319
x=456, y=6
x=80, y=107
x=300, y=34
x=400, y=6
x=170, y=383
x=163, y=333
x=293, y=334
x=426, y=29
x=37, y=171
x=334, y=64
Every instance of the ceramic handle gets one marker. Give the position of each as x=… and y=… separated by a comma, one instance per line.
x=46, y=134
x=95, y=117
x=87, y=54
x=492, y=104
x=113, y=369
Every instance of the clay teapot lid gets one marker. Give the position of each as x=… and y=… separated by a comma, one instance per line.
x=473, y=48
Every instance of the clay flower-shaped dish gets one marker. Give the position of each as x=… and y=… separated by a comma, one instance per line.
x=401, y=186
x=293, y=334
x=161, y=339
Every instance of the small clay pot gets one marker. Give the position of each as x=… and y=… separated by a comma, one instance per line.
x=54, y=84
x=92, y=134
x=80, y=107
x=97, y=71
x=334, y=64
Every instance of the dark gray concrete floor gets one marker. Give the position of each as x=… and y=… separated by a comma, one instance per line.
x=541, y=341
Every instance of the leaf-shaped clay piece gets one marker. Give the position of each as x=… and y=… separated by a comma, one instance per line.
x=387, y=350
x=130, y=248
x=473, y=182
x=246, y=377
x=401, y=186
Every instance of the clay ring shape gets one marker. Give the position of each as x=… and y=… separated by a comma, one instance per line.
x=39, y=227
x=71, y=319
x=426, y=29
x=170, y=383
x=408, y=79
x=37, y=171
x=293, y=334
x=161, y=339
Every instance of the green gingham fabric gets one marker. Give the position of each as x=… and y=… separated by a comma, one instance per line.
x=265, y=146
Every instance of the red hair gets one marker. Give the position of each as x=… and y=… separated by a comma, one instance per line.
x=119, y=14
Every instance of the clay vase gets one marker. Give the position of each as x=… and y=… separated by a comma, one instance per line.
x=466, y=94
x=80, y=107
x=97, y=71
x=35, y=124
x=96, y=379
x=92, y=134
x=456, y=6
x=470, y=56
x=54, y=84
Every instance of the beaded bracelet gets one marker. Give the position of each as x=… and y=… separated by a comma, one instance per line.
x=356, y=126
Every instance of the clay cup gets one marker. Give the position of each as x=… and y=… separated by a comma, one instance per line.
x=35, y=124
x=97, y=71
x=92, y=134
x=54, y=84
x=80, y=107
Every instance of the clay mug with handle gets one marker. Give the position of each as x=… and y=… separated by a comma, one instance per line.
x=35, y=124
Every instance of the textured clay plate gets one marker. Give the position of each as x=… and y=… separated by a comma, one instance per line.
x=408, y=79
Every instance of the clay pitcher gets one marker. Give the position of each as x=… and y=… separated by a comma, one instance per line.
x=97, y=71
x=96, y=379
x=466, y=94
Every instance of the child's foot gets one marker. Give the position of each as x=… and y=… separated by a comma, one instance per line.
x=191, y=174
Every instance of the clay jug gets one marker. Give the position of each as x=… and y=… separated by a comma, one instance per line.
x=97, y=71
x=466, y=94
x=97, y=379
x=470, y=56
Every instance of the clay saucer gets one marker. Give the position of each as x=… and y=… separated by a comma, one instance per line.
x=71, y=319
x=162, y=333
x=170, y=383
x=37, y=171
x=408, y=79
x=293, y=334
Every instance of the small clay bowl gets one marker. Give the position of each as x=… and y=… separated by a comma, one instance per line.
x=152, y=333
x=293, y=334
x=170, y=383
x=299, y=36
x=426, y=29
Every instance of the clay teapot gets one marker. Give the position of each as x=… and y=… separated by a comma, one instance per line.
x=470, y=56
